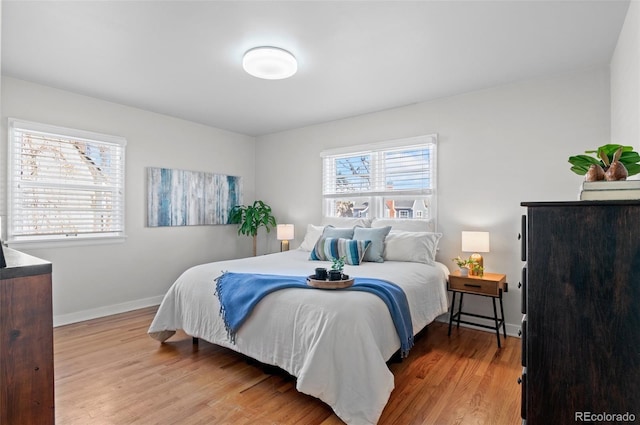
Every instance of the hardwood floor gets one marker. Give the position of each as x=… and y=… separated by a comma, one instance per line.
x=108, y=371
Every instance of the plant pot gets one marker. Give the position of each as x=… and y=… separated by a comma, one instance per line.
x=464, y=271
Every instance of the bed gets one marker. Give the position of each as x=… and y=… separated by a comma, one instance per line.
x=335, y=342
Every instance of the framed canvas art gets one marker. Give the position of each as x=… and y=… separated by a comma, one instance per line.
x=190, y=198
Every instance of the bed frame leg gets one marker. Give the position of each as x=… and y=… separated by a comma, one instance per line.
x=194, y=340
x=396, y=358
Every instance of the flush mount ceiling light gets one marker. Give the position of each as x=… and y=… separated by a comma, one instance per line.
x=270, y=63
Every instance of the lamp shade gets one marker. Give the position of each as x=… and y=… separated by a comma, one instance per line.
x=285, y=232
x=475, y=241
x=269, y=63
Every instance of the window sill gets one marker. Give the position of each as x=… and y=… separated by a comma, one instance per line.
x=65, y=243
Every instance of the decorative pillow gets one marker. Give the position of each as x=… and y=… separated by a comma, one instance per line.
x=346, y=221
x=417, y=247
x=311, y=237
x=377, y=237
x=405, y=224
x=337, y=232
x=327, y=249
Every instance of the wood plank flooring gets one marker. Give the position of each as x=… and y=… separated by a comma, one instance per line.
x=109, y=372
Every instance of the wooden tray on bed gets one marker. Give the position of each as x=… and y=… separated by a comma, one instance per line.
x=329, y=284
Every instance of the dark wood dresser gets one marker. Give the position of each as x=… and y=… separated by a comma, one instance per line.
x=26, y=341
x=581, y=306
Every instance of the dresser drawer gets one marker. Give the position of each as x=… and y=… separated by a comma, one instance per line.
x=523, y=335
x=523, y=291
x=474, y=286
x=523, y=394
x=523, y=238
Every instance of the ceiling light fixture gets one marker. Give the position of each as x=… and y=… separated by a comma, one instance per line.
x=270, y=63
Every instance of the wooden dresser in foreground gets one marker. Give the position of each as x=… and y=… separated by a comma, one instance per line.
x=26, y=341
x=581, y=306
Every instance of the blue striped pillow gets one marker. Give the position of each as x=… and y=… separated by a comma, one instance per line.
x=327, y=249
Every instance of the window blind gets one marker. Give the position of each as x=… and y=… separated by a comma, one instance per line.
x=405, y=170
x=64, y=183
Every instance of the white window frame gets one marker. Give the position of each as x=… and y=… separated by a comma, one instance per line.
x=377, y=192
x=14, y=191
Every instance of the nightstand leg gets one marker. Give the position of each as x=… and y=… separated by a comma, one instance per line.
x=453, y=303
x=495, y=319
x=460, y=309
x=504, y=327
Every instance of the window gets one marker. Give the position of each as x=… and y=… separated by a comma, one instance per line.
x=64, y=184
x=390, y=179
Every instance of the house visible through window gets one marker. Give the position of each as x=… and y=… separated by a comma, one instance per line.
x=390, y=179
x=64, y=184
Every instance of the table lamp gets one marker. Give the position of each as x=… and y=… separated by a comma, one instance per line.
x=284, y=233
x=475, y=242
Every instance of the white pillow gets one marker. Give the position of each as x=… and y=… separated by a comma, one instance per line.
x=405, y=224
x=416, y=247
x=311, y=237
x=346, y=221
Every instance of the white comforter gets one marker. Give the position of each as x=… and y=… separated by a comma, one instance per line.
x=335, y=342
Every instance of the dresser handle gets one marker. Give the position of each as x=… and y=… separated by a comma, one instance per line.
x=520, y=332
x=519, y=285
x=472, y=285
x=519, y=236
x=519, y=381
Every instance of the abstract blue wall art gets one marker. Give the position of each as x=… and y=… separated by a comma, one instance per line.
x=190, y=198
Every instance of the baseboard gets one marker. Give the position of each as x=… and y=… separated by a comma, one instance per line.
x=94, y=313
x=512, y=330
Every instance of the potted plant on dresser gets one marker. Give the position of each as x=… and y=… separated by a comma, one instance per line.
x=251, y=218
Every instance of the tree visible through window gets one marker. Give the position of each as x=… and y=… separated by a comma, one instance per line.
x=64, y=184
x=353, y=174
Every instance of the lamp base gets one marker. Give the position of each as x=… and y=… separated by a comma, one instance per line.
x=284, y=246
x=479, y=260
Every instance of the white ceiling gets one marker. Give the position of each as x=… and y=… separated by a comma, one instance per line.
x=183, y=58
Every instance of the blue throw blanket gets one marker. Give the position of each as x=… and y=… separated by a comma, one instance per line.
x=239, y=293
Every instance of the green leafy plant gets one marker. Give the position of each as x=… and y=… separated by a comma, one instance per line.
x=476, y=268
x=629, y=158
x=338, y=263
x=251, y=218
x=470, y=264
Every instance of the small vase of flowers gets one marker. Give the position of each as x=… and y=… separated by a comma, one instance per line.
x=468, y=264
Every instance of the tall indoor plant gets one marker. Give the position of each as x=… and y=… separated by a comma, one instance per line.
x=250, y=218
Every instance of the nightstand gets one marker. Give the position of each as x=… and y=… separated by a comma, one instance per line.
x=489, y=285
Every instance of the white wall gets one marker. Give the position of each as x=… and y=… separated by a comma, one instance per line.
x=90, y=281
x=497, y=147
x=625, y=82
